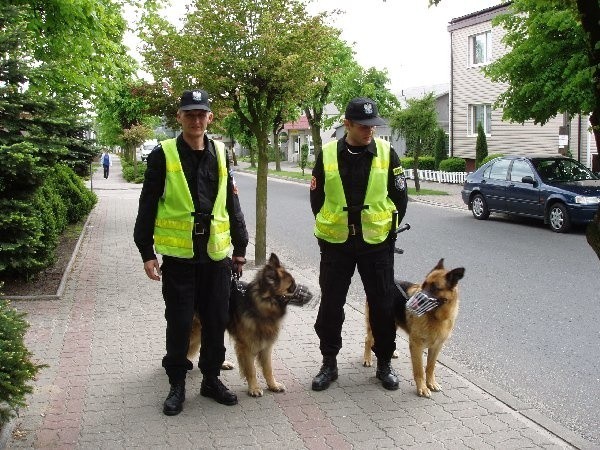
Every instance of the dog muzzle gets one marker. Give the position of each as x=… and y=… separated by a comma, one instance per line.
x=421, y=302
x=301, y=296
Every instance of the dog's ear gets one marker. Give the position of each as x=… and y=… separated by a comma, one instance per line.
x=454, y=275
x=440, y=264
x=268, y=278
x=274, y=260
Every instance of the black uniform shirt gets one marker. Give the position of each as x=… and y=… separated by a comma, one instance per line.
x=201, y=172
x=355, y=166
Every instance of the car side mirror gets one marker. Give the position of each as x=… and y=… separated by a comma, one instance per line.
x=528, y=179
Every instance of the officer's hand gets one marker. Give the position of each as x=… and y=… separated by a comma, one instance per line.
x=152, y=269
x=238, y=264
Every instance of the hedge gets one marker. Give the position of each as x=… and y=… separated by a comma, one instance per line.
x=425, y=162
x=30, y=227
x=453, y=165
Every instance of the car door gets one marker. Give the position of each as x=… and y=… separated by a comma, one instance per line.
x=523, y=197
x=493, y=187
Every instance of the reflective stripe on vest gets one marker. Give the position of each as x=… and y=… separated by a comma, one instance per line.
x=174, y=220
x=331, y=222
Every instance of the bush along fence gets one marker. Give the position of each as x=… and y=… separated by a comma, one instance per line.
x=437, y=176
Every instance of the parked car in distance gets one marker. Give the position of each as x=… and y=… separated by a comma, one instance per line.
x=147, y=147
x=557, y=189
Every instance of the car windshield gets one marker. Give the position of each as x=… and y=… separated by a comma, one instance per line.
x=559, y=170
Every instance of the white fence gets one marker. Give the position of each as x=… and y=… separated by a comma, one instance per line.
x=437, y=175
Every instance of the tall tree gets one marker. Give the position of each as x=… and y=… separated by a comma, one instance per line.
x=481, y=148
x=417, y=123
x=262, y=54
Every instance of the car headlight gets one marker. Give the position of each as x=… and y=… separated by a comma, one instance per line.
x=582, y=200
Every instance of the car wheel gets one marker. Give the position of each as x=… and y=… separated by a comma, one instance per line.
x=558, y=218
x=479, y=207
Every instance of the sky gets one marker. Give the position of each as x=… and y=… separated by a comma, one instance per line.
x=406, y=37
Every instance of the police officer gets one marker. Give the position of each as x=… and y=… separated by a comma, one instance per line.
x=189, y=212
x=356, y=186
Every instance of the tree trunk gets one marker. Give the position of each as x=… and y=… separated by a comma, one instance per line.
x=260, y=250
x=277, y=151
x=416, y=172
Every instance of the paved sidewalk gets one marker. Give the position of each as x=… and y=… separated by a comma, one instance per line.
x=104, y=339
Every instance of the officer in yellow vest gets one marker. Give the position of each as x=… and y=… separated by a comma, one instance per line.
x=189, y=212
x=357, y=184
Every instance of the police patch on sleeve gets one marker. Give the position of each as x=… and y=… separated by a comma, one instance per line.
x=400, y=182
x=398, y=170
x=313, y=183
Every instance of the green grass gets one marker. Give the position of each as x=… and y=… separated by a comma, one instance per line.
x=307, y=176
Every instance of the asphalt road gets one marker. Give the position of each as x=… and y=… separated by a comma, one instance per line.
x=529, y=317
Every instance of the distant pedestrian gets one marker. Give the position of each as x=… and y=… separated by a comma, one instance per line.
x=189, y=212
x=106, y=161
x=357, y=185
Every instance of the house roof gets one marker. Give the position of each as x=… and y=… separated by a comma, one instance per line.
x=478, y=16
x=300, y=124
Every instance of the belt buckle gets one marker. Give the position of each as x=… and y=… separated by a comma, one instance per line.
x=198, y=230
x=352, y=229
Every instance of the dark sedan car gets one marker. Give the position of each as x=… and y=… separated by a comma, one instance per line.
x=559, y=190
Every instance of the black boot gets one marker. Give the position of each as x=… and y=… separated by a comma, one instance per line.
x=326, y=375
x=213, y=387
x=385, y=373
x=173, y=405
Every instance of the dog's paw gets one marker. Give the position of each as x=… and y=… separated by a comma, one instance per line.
x=255, y=392
x=277, y=387
x=367, y=363
x=423, y=391
x=434, y=386
x=227, y=365
x=395, y=354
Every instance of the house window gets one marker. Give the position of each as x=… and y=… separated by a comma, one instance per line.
x=477, y=114
x=480, y=48
x=385, y=137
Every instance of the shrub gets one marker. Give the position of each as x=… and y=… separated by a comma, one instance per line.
x=425, y=162
x=490, y=157
x=440, y=147
x=303, y=157
x=30, y=227
x=78, y=199
x=481, y=149
x=129, y=171
x=16, y=367
x=453, y=165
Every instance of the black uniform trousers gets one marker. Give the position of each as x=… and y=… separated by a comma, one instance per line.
x=195, y=287
x=376, y=269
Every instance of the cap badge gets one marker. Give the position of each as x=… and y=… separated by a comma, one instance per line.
x=368, y=108
x=197, y=96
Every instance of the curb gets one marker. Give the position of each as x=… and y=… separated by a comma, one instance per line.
x=6, y=432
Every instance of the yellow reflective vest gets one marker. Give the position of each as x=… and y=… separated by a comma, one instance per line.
x=174, y=225
x=331, y=222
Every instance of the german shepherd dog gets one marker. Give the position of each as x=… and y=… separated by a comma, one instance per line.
x=256, y=310
x=426, y=329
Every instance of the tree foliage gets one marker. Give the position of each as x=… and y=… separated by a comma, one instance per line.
x=77, y=45
x=256, y=57
x=417, y=123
